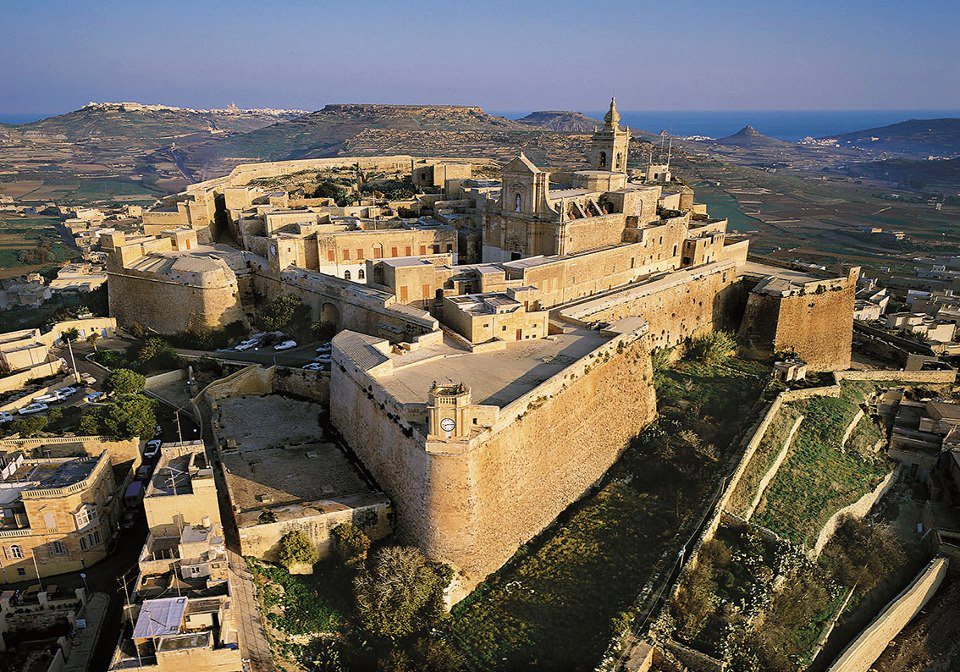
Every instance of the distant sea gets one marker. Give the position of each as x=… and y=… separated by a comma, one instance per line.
x=785, y=125
x=22, y=118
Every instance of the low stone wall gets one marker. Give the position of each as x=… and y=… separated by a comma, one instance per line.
x=312, y=385
x=120, y=452
x=929, y=377
x=852, y=426
x=26, y=399
x=867, y=647
x=372, y=515
x=21, y=378
x=774, y=468
x=858, y=510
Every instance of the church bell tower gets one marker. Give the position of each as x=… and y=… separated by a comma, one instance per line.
x=610, y=144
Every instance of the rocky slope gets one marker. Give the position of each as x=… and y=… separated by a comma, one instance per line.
x=563, y=121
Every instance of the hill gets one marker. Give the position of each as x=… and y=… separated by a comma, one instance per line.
x=749, y=137
x=563, y=121
x=115, y=149
x=916, y=138
x=941, y=176
x=329, y=131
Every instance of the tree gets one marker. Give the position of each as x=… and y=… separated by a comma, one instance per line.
x=129, y=416
x=124, y=381
x=296, y=549
x=352, y=544
x=29, y=425
x=283, y=312
x=401, y=593
x=71, y=334
x=93, y=338
x=153, y=354
x=89, y=424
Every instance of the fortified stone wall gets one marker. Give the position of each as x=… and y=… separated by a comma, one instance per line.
x=171, y=307
x=816, y=323
x=473, y=503
x=684, y=304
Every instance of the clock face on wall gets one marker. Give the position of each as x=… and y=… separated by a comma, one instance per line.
x=448, y=424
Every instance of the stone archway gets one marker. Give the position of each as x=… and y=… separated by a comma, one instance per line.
x=330, y=315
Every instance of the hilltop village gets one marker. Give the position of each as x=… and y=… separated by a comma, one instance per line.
x=445, y=354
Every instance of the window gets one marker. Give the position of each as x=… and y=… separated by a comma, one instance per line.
x=360, y=274
x=407, y=251
x=426, y=291
x=21, y=571
x=346, y=275
x=57, y=548
x=449, y=247
x=346, y=255
x=195, y=570
x=82, y=518
x=423, y=249
x=359, y=253
x=16, y=552
x=83, y=543
x=96, y=536
x=393, y=252
x=518, y=202
x=378, y=253
x=403, y=294
x=603, y=160
x=435, y=248
x=331, y=255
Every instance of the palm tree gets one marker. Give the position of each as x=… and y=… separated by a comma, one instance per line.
x=93, y=338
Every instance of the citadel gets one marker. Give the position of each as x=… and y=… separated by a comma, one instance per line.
x=492, y=356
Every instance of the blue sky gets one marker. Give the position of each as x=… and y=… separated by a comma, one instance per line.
x=520, y=55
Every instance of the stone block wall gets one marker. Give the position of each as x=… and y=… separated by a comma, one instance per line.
x=867, y=647
x=473, y=504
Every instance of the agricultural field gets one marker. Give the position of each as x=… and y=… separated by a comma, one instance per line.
x=562, y=597
x=819, y=477
x=31, y=243
x=791, y=217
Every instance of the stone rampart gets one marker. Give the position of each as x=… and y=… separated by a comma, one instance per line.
x=473, y=503
x=862, y=652
x=172, y=307
x=858, y=509
x=686, y=303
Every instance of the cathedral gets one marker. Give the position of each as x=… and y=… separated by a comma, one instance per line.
x=578, y=211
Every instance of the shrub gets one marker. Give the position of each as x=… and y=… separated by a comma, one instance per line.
x=296, y=549
x=401, y=593
x=89, y=424
x=352, y=544
x=713, y=349
x=124, y=381
x=153, y=354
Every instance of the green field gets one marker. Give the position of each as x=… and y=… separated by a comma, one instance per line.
x=31, y=243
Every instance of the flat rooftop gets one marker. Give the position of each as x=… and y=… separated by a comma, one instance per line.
x=495, y=378
x=53, y=474
x=755, y=269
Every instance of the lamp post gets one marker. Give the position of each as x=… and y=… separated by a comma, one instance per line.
x=86, y=588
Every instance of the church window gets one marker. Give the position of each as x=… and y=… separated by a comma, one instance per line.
x=518, y=203
x=603, y=160
x=346, y=275
x=16, y=551
x=360, y=274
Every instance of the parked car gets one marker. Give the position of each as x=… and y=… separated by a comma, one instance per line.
x=5, y=417
x=246, y=345
x=325, y=347
x=285, y=345
x=95, y=397
x=65, y=392
x=152, y=448
x=31, y=409
x=323, y=359
x=88, y=379
x=49, y=398
x=313, y=366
